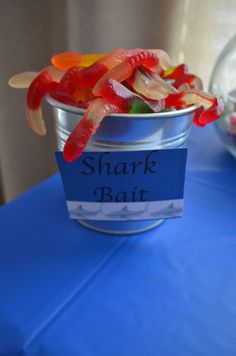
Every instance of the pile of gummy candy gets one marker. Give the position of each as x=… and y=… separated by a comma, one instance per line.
x=123, y=81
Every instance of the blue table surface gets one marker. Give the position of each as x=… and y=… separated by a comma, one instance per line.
x=66, y=290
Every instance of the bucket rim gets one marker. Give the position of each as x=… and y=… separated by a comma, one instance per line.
x=168, y=114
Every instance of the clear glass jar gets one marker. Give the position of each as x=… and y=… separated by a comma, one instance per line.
x=223, y=84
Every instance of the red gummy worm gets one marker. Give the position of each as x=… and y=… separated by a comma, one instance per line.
x=145, y=58
x=69, y=81
x=125, y=69
x=192, y=80
x=64, y=98
x=178, y=72
x=78, y=139
x=40, y=86
x=117, y=94
x=89, y=76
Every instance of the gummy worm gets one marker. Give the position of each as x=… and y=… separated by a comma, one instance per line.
x=87, y=126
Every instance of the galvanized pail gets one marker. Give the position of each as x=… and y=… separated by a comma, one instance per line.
x=126, y=132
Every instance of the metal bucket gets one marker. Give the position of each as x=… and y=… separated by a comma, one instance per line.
x=126, y=132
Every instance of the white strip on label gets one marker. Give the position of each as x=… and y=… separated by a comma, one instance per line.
x=125, y=211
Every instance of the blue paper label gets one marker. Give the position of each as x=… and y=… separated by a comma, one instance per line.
x=124, y=185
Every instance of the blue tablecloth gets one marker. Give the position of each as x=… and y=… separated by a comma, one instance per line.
x=65, y=290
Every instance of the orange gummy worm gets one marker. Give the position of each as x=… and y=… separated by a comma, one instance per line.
x=67, y=60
